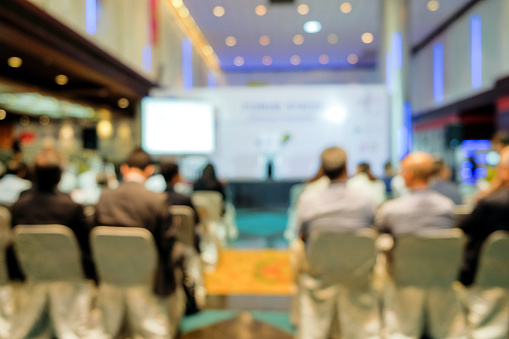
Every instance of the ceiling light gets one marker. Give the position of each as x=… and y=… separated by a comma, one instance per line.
x=24, y=120
x=3, y=114
x=295, y=60
x=104, y=129
x=332, y=38
x=14, y=62
x=176, y=3
x=261, y=10
x=183, y=12
x=264, y=40
x=230, y=41
x=303, y=9
x=44, y=120
x=323, y=59
x=345, y=7
x=238, y=61
x=267, y=60
x=352, y=59
x=298, y=39
x=61, y=79
x=123, y=103
x=218, y=11
x=208, y=50
x=433, y=5
x=367, y=38
x=312, y=27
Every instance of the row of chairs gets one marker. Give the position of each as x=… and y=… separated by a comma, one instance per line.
x=57, y=301
x=337, y=298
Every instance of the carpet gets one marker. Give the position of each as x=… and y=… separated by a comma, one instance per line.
x=264, y=272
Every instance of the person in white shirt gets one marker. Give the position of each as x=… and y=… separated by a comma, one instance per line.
x=13, y=183
x=366, y=183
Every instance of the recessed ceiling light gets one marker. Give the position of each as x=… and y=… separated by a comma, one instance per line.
x=230, y=41
x=295, y=60
x=303, y=9
x=312, y=26
x=123, y=103
x=44, y=120
x=3, y=114
x=208, y=50
x=352, y=59
x=332, y=38
x=14, y=62
x=260, y=10
x=24, y=120
x=433, y=5
x=267, y=60
x=183, y=12
x=367, y=38
x=61, y=79
x=323, y=59
x=238, y=61
x=177, y=3
x=218, y=11
x=345, y=7
x=298, y=39
x=264, y=40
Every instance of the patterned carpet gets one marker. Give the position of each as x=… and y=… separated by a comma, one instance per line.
x=264, y=272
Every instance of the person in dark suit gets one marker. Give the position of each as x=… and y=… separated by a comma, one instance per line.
x=489, y=215
x=132, y=205
x=44, y=204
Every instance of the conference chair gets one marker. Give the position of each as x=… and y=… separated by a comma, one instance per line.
x=224, y=225
x=335, y=296
x=56, y=296
x=183, y=219
x=6, y=290
x=291, y=225
x=488, y=315
x=126, y=259
x=420, y=298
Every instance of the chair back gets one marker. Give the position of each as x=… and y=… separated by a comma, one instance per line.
x=212, y=201
x=183, y=219
x=493, y=271
x=343, y=258
x=48, y=252
x=124, y=255
x=429, y=259
x=5, y=238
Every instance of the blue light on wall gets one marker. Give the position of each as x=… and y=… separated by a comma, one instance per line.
x=397, y=51
x=187, y=64
x=146, y=58
x=476, y=50
x=91, y=16
x=438, y=73
x=211, y=79
x=388, y=72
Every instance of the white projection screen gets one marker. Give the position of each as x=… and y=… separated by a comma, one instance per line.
x=291, y=125
x=177, y=127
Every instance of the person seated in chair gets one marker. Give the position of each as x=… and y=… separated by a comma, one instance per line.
x=44, y=204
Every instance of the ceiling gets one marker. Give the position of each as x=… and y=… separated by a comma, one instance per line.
x=282, y=22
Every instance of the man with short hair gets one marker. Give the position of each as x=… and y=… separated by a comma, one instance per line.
x=423, y=208
x=13, y=182
x=44, y=204
x=132, y=205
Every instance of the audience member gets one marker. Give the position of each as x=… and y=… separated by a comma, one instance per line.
x=388, y=175
x=44, y=204
x=209, y=182
x=423, y=209
x=335, y=208
x=365, y=182
x=318, y=182
x=132, y=205
x=13, y=182
x=489, y=215
x=170, y=172
x=441, y=182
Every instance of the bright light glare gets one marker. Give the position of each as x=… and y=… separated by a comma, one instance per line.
x=336, y=114
x=312, y=27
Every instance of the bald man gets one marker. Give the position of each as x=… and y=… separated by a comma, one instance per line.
x=423, y=209
x=489, y=215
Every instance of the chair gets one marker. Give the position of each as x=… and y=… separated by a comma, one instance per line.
x=420, y=297
x=336, y=288
x=489, y=295
x=6, y=290
x=183, y=218
x=56, y=293
x=126, y=259
x=214, y=204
